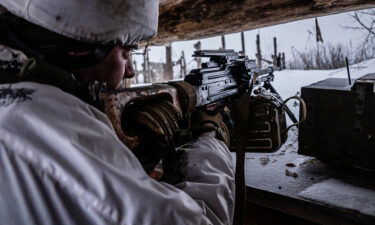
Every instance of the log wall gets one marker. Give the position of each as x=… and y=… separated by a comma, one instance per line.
x=193, y=19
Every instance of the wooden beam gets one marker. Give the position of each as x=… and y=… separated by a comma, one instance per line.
x=194, y=19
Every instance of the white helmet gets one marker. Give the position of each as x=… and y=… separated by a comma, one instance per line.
x=124, y=22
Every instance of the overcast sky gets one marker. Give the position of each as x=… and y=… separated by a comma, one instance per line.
x=299, y=34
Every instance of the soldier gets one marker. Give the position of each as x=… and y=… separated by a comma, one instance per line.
x=60, y=159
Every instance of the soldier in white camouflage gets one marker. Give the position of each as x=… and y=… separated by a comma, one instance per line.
x=60, y=159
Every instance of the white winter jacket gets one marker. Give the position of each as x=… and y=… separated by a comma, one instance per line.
x=62, y=163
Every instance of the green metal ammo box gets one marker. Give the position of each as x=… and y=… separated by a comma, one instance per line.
x=340, y=124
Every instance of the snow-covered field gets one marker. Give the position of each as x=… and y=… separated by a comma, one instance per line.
x=289, y=82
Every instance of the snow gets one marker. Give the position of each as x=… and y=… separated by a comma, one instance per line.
x=289, y=82
x=336, y=193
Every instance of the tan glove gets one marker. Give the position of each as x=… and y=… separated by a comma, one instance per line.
x=155, y=124
x=202, y=121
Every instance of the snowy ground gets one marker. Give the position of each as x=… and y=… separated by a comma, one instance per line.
x=289, y=82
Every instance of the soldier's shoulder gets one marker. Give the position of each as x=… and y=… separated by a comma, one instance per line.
x=31, y=97
x=39, y=104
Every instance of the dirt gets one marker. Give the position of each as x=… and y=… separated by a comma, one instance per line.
x=291, y=174
x=311, y=161
x=264, y=161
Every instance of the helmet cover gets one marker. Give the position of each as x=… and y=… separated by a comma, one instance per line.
x=124, y=22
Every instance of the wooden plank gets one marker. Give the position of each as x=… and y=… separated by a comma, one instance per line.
x=193, y=19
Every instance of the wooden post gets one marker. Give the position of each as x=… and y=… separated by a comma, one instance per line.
x=222, y=41
x=274, y=46
x=243, y=43
x=274, y=56
x=136, y=73
x=168, y=73
x=145, y=66
x=153, y=78
x=183, y=64
x=258, y=55
x=149, y=78
x=197, y=47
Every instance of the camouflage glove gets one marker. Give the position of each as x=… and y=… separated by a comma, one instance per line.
x=202, y=121
x=155, y=124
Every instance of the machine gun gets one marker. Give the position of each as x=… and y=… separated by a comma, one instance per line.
x=226, y=76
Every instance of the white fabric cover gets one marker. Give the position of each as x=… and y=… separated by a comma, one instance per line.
x=61, y=163
x=99, y=21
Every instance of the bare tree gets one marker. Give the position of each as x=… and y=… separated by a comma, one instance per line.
x=365, y=22
x=326, y=57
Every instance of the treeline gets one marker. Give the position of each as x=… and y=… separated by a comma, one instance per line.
x=328, y=56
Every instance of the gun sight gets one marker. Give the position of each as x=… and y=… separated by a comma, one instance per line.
x=228, y=54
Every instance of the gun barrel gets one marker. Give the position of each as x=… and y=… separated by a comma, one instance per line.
x=270, y=70
x=216, y=53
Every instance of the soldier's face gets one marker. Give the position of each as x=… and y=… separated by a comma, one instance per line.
x=112, y=70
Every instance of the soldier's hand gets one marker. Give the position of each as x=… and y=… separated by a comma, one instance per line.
x=155, y=124
x=202, y=121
